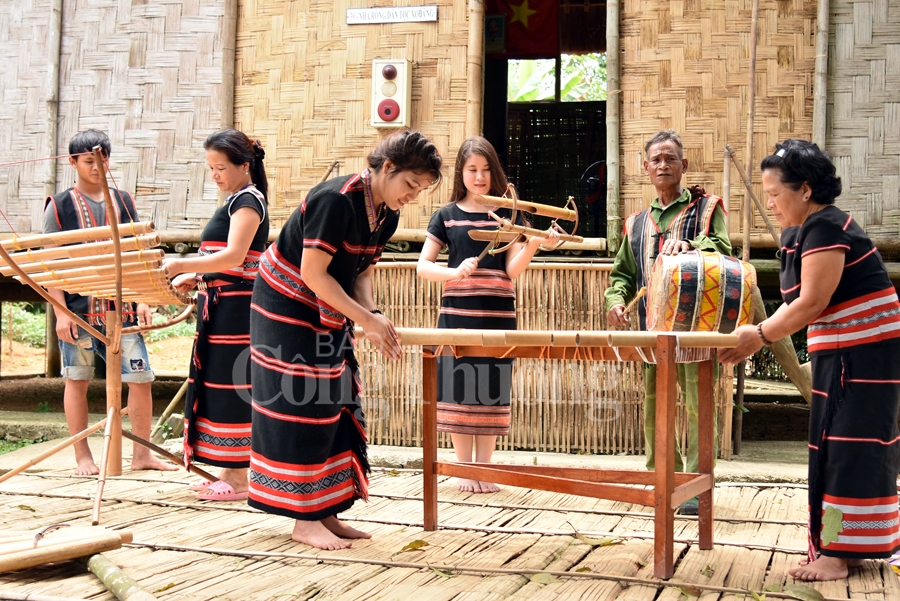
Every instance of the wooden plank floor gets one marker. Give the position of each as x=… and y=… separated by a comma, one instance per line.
x=517, y=544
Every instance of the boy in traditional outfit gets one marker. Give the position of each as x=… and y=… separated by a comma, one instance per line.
x=678, y=220
x=82, y=206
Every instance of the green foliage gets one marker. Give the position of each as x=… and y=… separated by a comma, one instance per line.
x=26, y=322
x=185, y=328
x=583, y=78
x=43, y=407
x=7, y=446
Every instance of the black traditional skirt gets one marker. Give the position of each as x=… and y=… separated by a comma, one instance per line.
x=217, y=404
x=474, y=392
x=308, y=453
x=854, y=453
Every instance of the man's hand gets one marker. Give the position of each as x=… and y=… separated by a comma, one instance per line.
x=673, y=247
x=144, y=317
x=66, y=328
x=616, y=316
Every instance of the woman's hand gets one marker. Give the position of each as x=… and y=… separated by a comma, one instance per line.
x=185, y=282
x=550, y=237
x=749, y=343
x=380, y=332
x=466, y=268
x=172, y=267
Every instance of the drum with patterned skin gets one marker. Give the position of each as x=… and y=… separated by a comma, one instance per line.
x=699, y=292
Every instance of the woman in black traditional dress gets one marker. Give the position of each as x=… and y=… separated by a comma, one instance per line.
x=833, y=279
x=308, y=456
x=217, y=405
x=474, y=393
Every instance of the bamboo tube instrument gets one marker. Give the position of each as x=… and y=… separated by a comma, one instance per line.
x=525, y=206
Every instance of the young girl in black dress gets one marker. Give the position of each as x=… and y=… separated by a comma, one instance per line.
x=474, y=393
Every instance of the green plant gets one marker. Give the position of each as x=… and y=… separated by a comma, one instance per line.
x=583, y=78
x=43, y=407
x=7, y=446
x=184, y=328
x=25, y=323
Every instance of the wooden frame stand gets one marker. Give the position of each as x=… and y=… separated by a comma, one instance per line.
x=669, y=489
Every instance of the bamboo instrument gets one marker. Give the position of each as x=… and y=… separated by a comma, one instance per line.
x=104, y=461
x=63, y=265
x=60, y=277
x=507, y=226
x=491, y=236
x=583, y=338
x=88, y=544
x=62, y=445
x=685, y=339
x=90, y=234
x=527, y=207
x=89, y=249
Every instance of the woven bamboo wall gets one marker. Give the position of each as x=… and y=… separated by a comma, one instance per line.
x=303, y=86
x=863, y=125
x=685, y=66
x=557, y=406
x=23, y=110
x=150, y=74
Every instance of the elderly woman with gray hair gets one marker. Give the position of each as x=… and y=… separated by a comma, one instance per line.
x=834, y=281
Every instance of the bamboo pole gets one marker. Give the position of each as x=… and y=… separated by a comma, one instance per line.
x=475, y=69
x=749, y=190
x=90, y=234
x=104, y=462
x=737, y=423
x=89, y=249
x=99, y=271
x=820, y=81
x=727, y=414
x=103, y=540
x=328, y=171
x=118, y=582
x=54, y=37
x=59, y=447
x=527, y=207
x=613, y=135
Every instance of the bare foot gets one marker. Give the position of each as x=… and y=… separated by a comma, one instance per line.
x=87, y=467
x=489, y=487
x=466, y=485
x=315, y=534
x=152, y=463
x=339, y=528
x=824, y=568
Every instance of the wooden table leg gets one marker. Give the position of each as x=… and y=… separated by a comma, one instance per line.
x=664, y=515
x=429, y=439
x=706, y=425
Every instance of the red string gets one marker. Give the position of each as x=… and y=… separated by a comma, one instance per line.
x=62, y=156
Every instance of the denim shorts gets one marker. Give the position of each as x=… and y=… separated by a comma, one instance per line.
x=78, y=358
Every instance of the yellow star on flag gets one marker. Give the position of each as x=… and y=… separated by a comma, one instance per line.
x=521, y=13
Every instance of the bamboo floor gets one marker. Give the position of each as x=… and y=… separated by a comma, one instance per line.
x=516, y=544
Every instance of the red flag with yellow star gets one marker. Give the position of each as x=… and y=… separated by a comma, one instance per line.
x=531, y=27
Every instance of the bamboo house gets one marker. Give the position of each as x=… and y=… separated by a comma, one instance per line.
x=159, y=77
